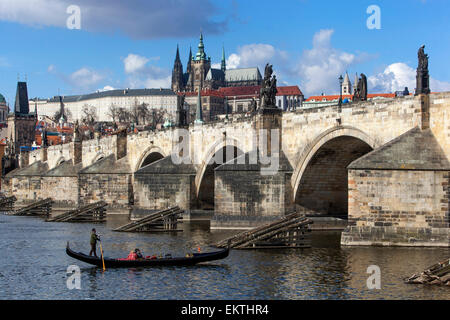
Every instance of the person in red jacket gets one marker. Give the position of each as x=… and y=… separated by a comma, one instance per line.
x=134, y=255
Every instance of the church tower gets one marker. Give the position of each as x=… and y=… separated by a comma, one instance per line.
x=177, y=73
x=346, y=85
x=200, y=65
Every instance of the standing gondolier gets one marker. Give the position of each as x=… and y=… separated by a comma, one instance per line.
x=94, y=239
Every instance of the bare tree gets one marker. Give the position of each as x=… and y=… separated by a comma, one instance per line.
x=113, y=112
x=157, y=116
x=144, y=113
x=67, y=115
x=123, y=115
x=89, y=115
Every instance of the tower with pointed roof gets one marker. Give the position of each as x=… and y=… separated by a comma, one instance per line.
x=223, y=65
x=177, y=73
x=21, y=122
x=200, y=65
x=346, y=85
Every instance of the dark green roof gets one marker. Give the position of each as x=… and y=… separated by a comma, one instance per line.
x=2, y=99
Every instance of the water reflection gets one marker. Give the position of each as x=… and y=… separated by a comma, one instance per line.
x=35, y=266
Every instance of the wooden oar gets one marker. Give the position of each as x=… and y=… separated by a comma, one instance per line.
x=101, y=252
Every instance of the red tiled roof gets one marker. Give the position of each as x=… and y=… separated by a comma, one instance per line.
x=243, y=92
x=289, y=91
x=252, y=91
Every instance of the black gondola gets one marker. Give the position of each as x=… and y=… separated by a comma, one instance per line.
x=176, y=261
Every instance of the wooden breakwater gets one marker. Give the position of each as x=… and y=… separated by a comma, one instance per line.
x=94, y=212
x=37, y=208
x=291, y=231
x=437, y=274
x=7, y=203
x=163, y=220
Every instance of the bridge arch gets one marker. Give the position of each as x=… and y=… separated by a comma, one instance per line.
x=150, y=155
x=319, y=180
x=225, y=149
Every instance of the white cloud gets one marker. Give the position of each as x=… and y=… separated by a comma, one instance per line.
x=255, y=54
x=137, y=18
x=320, y=67
x=399, y=75
x=134, y=63
x=140, y=74
x=85, y=78
x=106, y=88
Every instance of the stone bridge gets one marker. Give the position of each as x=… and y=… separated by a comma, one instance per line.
x=384, y=164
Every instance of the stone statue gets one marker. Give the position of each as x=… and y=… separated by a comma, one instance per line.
x=44, y=141
x=422, y=77
x=269, y=89
x=76, y=132
x=361, y=89
x=181, y=113
x=253, y=105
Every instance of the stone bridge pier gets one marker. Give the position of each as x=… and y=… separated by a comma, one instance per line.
x=381, y=165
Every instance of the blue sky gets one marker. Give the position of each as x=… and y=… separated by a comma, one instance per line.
x=132, y=43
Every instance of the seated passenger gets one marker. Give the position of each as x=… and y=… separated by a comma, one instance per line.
x=132, y=256
x=138, y=254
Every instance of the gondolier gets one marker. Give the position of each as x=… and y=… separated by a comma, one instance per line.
x=94, y=239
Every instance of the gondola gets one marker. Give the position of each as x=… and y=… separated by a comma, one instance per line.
x=166, y=261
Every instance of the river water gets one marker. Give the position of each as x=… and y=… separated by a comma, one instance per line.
x=34, y=266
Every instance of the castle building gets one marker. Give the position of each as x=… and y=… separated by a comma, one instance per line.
x=200, y=76
x=21, y=122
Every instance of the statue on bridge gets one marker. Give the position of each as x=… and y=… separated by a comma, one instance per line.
x=180, y=120
x=77, y=137
x=361, y=89
x=422, y=77
x=269, y=89
x=44, y=140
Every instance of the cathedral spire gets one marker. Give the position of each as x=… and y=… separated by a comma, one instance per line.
x=223, y=64
x=188, y=67
x=177, y=73
x=177, y=57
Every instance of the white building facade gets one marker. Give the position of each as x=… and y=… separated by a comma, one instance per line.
x=102, y=101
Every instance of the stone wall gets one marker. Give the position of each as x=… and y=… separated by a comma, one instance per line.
x=440, y=119
x=246, y=198
x=162, y=184
x=63, y=191
x=399, y=194
x=157, y=192
x=115, y=189
x=399, y=198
